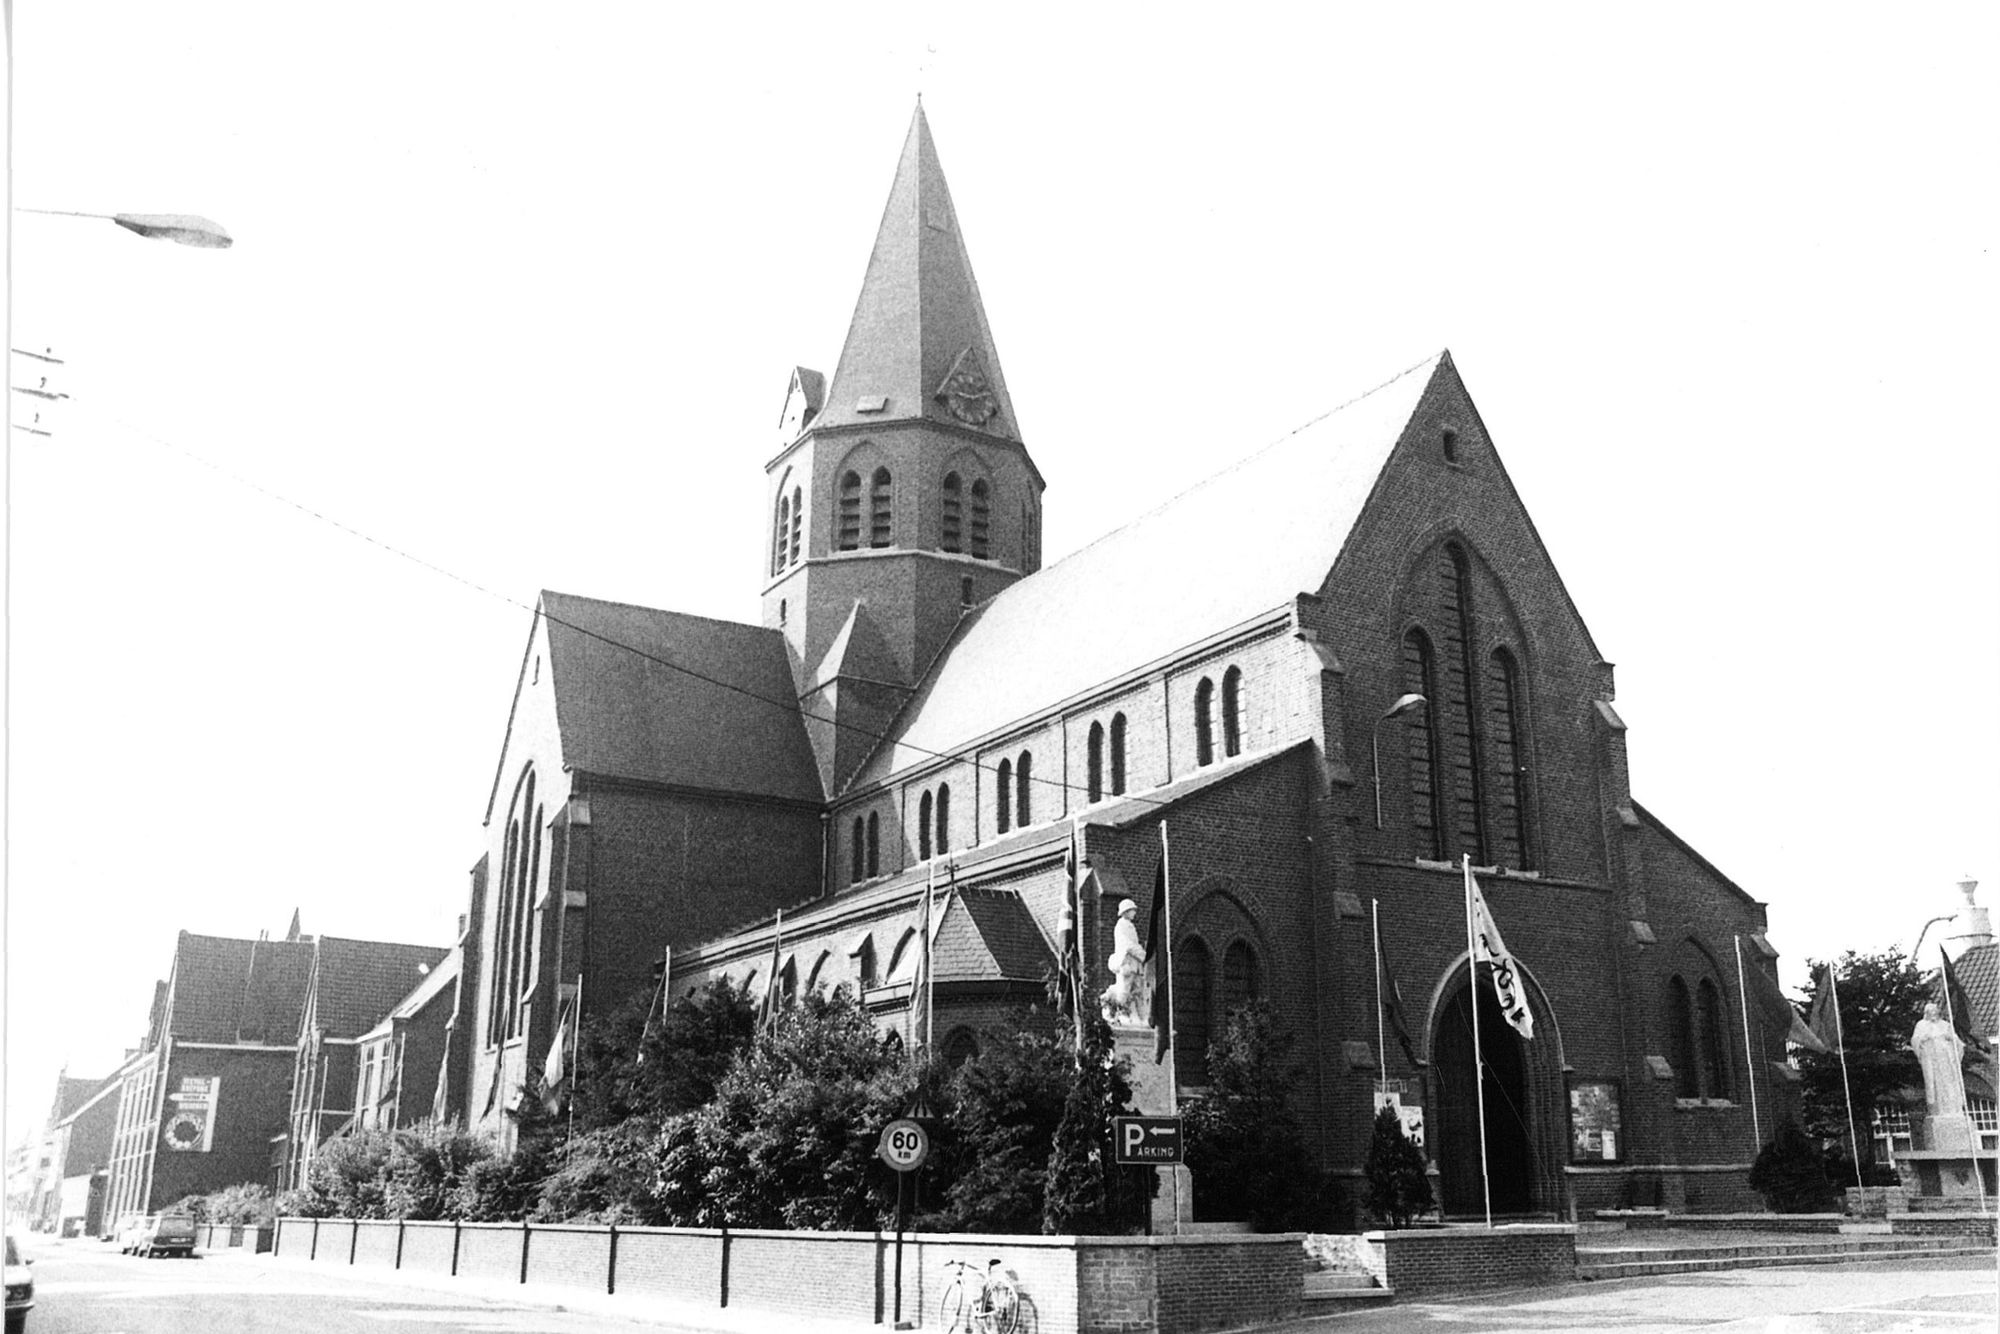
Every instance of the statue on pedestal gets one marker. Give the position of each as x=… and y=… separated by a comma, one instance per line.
x=1939, y=1051
x=1125, y=1001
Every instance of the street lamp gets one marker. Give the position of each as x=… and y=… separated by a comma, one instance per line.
x=1404, y=704
x=181, y=228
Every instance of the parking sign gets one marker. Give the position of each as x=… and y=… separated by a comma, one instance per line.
x=1147, y=1140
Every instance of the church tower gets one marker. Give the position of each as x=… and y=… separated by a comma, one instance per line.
x=901, y=495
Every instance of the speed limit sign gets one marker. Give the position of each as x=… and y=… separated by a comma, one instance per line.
x=904, y=1145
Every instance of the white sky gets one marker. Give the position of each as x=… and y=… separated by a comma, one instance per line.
x=517, y=288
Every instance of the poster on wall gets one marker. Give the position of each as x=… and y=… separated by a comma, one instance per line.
x=1596, y=1129
x=1410, y=1114
x=190, y=1116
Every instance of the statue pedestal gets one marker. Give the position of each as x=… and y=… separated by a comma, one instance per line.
x=1951, y=1171
x=1953, y=1134
x=1153, y=1095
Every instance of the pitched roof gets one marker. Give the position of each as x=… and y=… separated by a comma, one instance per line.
x=666, y=697
x=1978, y=971
x=1238, y=545
x=989, y=934
x=357, y=982
x=72, y=1093
x=919, y=312
x=229, y=990
x=857, y=651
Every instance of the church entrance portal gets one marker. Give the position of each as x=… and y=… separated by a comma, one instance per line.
x=1510, y=1155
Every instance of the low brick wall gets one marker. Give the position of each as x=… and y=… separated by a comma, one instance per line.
x=1981, y=1227
x=1640, y=1219
x=1876, y=1201
x=1423, y=1261
x=1068, y=1285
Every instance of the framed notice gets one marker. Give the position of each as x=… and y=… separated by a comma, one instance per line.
x=1596, y=1128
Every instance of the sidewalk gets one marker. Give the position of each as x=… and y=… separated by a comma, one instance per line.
x=648, y=1312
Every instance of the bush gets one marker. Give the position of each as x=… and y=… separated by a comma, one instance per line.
x=246, y=1205
x=425, y=1167
x=990, y=1153
x=1790, y=1173
x=1245, y=1149
x=633, y=1063
x=604, y=1176
x=1085, y=1191
x=1399, y=1189
x=345, y=1178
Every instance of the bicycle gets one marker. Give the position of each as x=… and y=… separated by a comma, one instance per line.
x=977, y=1303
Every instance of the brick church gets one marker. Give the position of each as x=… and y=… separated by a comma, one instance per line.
x=926, y=710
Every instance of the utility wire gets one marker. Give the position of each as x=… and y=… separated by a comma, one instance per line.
x=789, y=706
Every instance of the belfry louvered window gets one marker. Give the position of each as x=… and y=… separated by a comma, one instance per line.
x=850, y=512
x=954, y=514
x=982, y=520
x=780, y=528
x=1511, y=846
x=798, y=524
x=1420, y=678
x=881, y=531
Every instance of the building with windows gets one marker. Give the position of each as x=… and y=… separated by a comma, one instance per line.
x=927, y=720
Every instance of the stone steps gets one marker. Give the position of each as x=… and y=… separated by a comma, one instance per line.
x=1338, y=1289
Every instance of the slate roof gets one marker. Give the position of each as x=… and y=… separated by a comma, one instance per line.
x=702, y=703
x=919, y=308
x=72, y=1093
x=421, y=995
x=1238, y=545
x=989, y=934
x=1978, y=971
x=357, y=982
x=228, y=990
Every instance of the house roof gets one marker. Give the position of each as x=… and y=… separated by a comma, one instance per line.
x=989, y=934
x=1237, y=546
x=918, y=320
x=357, y=982
x=420, y=996
x=72, y=1093
x=661, y=696
x=1978, y=971
x=228, y=990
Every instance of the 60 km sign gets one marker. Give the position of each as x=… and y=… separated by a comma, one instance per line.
x=904, y=1145
x=1146, y=1139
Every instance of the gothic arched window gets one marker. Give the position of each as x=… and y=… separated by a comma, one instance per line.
x=1204, y=722
x=1458, y=710
x=1003, y=797
x=982, y=520
x=874, y=844
x=798, y=524
x=1094, y=766
x=881, y=531
x=1232, y=711
x=944, y=818
x=857, y=855
x=924, y=828
x=1511, y=846
x=1708, y=1028
x=850, y=511
x=780, y=526
x=1680, y=1039
x=954, y=514
x=521, y=877
x=1191, y=1010
x=1419, y=678
x=1239, y=976
x=1117, y=754
x=1023, y=789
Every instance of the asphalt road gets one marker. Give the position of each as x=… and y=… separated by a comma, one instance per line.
x=1876, y=1297
x=87, y=1287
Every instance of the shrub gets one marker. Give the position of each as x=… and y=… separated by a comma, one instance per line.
x=425, y=1167
x=1085, y=1191
x=1244, y=1147
x=990, y=1153
x=345, y=1178
x=634, y=1063
x=1398, y=1187
x=246, y=1205
x=604, y=1176
x=1790, y=1173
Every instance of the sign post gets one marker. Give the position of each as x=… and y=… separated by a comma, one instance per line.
x=904, y=1146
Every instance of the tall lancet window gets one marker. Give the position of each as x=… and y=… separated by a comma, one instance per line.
x=1511, y=845
x=1232, y=711
x=850, y=512
x=1117, y=754
x=780, y=529
x=798, y=523
x=1024, y=786
x=1204, y=722
x=1419, y=678
x=953, y=534
x=881, y=532
x=1095, y=768
x=924, y=828
x=1003, y=797
x=1458, y=716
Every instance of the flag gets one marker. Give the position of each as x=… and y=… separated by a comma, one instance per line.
x=1487, y=947
x=1392, y=1003
x=1776, y=1010
x=663, y=968
x=1160, y=967
x=1825, y=1020
x=1067, y=979
x=769, y=1019
x=556, y=1065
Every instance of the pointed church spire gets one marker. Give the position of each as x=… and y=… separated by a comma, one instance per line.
x=918, y=346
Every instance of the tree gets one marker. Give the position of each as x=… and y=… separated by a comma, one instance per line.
x=990, y=1153
x=1790, y=1173
x=636, y=1062
x=1398, y=1187
x=1086, y=1192
x=1244, y=1147
x=1882, y=996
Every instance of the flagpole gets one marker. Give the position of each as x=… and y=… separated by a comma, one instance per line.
x=1173, y=1047
x=1951, y=1017
x=1846, y=1090
x=1381, y=1050
x=1749, y=1056
x=1478, y=1060
x=1075, y=963
x=575, y=1048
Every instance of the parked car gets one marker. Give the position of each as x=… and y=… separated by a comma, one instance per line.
x=20, y=1287
x=158, y=1234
